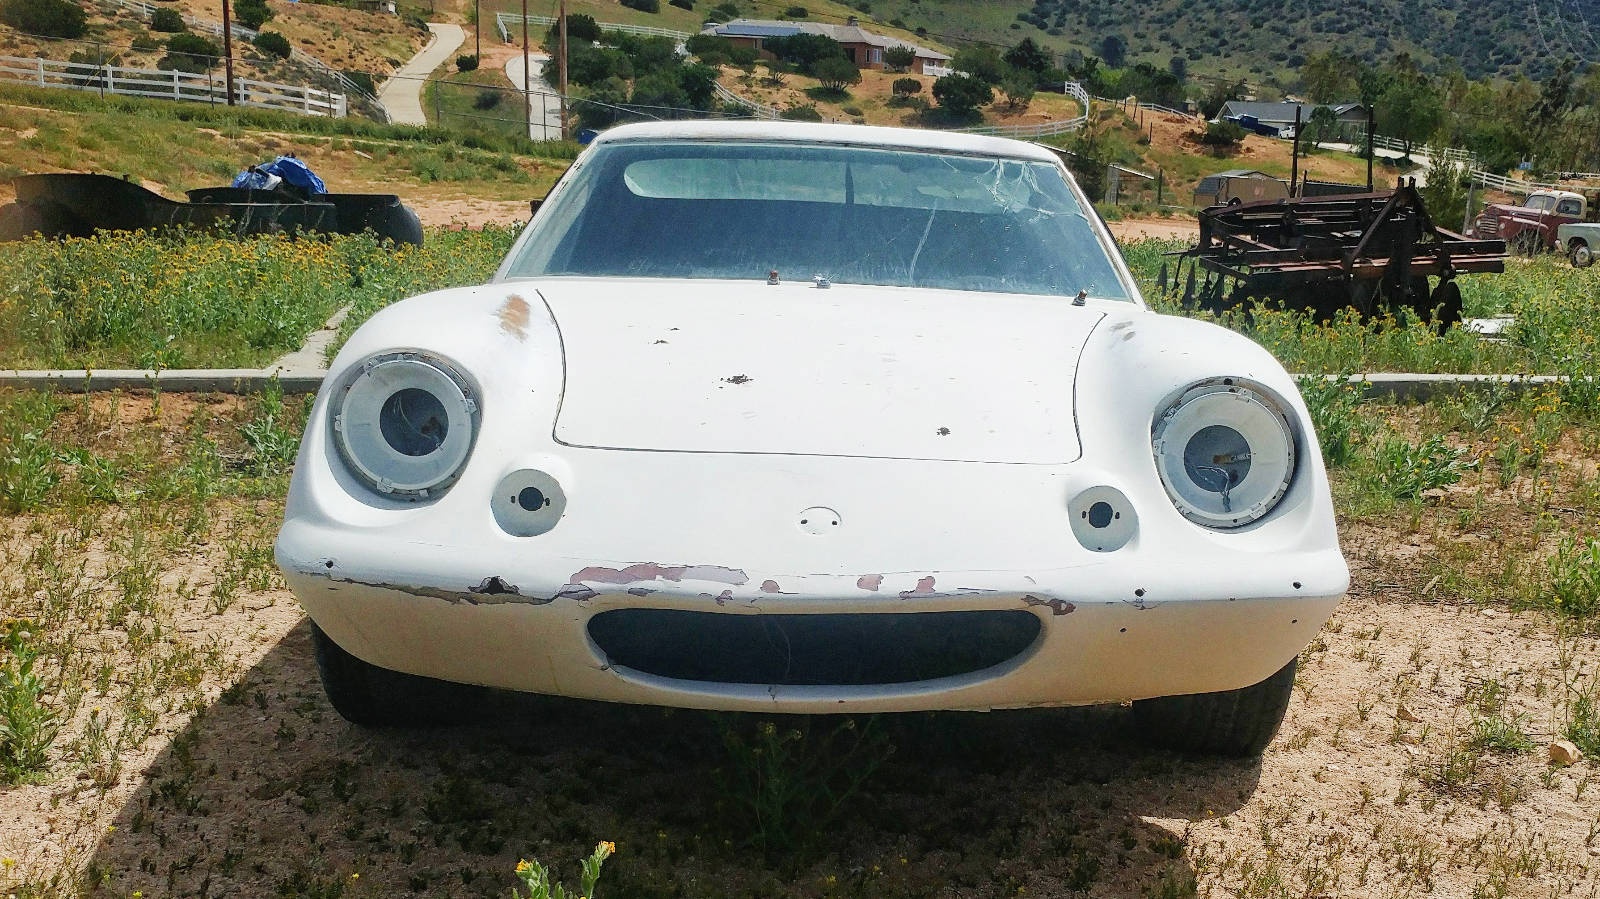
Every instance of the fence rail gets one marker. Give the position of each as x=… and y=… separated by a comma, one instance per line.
x=345, y=83
x=504, y=20
x=172, y=85
x=1044, y=129
x=760, y=110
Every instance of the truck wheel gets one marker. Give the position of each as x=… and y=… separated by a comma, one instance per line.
x=1526, y=243
x=364, y=694
x=1580, y=254
x=1238, y=723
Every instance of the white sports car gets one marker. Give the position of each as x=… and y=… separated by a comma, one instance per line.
x=810, y=418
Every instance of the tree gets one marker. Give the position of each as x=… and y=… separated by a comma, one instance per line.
x=274, y=44
x=1322, y=125
x=982, y=63
x=960, y=94
x=899, y=58
x=579, y=28
x=189, y=53
x=1179, y=67
x=905, y=87
x=836, y=72
x=1028, y=56
x=1409, y=108
x=168, y=21
x=804, y=49
x=1328, y=77
x=49, y=18
x=1218, y=96
x=1114, y=50
x=699, y=84
x=251, y=13
x=1445, y=194
x=1018, y=86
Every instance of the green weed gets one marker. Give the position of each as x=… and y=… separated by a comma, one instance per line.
x=27, y=725
x=536, y=878
x=1332, y=404
x=1573, y=587
x=1406, y=470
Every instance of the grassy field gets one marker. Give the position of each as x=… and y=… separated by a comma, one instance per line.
x=168, y=735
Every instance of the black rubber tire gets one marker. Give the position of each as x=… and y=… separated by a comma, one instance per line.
x=1237, y=723
x=363, y=693
x=1580, y=253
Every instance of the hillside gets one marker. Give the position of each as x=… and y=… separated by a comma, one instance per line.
x=1265, y=39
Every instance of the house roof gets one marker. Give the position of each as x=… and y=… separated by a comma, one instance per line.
x=1282, y=112
x=844, y=34
x=1240, y=173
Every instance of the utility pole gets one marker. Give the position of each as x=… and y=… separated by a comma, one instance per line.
x=563, y=69
x=477, y=30
x=1294, y=153
x=527, y=73
x=1369, y=149
x=227, y=46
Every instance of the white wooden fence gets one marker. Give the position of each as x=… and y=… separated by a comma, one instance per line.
x=172, y=85
x=759, y=110
x=248, y=34
x=1044, y=129
x=504, y=20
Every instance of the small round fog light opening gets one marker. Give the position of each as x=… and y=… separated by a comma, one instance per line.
x=1102, y=519
x=528, y=502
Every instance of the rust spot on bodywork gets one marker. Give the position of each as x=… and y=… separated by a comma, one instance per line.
x=870, y=581
x=653, y=571
x=514, y=317
x=495, y=586
x=924, y=588
x=770, y=586
x=1057, y=606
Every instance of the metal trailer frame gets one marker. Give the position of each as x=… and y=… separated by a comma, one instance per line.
x=1373, y=252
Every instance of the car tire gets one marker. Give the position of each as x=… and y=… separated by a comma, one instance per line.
x=365, y=694
x=1580, y=254
x=1238, y=723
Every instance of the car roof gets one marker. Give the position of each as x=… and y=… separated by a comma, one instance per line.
x=810, y=132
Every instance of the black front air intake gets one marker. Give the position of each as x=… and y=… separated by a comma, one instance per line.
x=811, y=650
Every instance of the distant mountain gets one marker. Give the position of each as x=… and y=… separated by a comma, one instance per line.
x=1261, y=39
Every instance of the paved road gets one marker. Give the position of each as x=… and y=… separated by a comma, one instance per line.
x=402, y=94
x=544, y=105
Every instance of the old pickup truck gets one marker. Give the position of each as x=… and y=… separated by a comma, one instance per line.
x=1579, y=241
x=1531, y=227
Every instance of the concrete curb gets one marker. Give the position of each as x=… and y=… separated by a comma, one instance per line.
x=1395, y=385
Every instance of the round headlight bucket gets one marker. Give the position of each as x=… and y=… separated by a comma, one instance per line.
x=405, y=423
x=1225, y=450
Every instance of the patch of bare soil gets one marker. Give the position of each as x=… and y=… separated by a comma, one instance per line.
x=1379, y=783
x=1177, y=228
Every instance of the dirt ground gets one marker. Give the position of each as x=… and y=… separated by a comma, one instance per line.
x=251, y=785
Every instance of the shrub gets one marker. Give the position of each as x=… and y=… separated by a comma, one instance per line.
x=486, y=99
x=799, y=113
x=1222, y=134
x=466, y=62
x=251, y=13
x=961, y=95
x=796, y=12
x=836, y=73
x=273, y=44
x=905, y=87
x=723, y=12
x=168, y=21
x=145, y=43
x=363, y=81
x=189, y=53
x=49, y=18
x=682, y=4
x=1406, y=470
x=643, y=5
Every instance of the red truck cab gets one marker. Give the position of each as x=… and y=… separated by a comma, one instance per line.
x=1531, y=227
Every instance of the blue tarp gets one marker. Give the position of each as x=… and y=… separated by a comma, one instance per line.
x=287, y=168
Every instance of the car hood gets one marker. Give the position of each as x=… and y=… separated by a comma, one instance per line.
x=736, y=367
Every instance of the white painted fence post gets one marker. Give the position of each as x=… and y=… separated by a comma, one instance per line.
x=176, y=94
x=41, y=73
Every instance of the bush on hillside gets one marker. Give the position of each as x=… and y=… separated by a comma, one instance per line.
x=682, y=4
x=189, y=53
x=251, y=13
x=168, y=21
x=273, y=44
x=47, y=18
x=643, y=5
x=466, y=62
x=905, y=87
x=1222, y=134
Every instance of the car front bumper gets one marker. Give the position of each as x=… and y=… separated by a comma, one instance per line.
x=1111, y=630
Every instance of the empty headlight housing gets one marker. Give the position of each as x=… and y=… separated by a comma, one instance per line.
x=1225, y=450
x=404, y=423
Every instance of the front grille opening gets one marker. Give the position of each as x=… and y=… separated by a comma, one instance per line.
x=811, y=650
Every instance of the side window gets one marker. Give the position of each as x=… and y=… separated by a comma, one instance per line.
x=1570, y=207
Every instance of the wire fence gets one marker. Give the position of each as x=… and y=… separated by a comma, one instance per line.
x=504, y=20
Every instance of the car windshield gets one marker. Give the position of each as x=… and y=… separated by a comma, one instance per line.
x=1541, y=201
x=739, y=210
